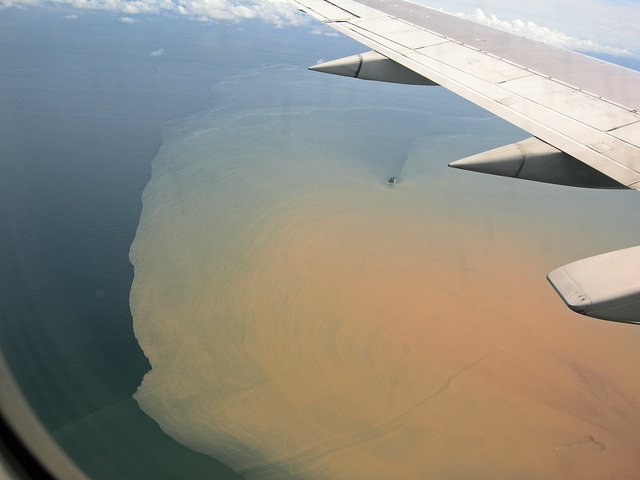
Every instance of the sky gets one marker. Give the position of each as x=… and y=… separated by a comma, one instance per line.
x=563, y=23
x=599, y=26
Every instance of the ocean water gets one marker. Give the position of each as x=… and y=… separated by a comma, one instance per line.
x=82, y=107
x=293, y=315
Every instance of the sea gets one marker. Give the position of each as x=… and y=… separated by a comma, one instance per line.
x=205, y=274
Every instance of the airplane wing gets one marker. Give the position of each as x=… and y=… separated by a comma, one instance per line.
x=582, y=114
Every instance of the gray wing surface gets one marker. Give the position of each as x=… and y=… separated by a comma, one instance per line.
x=579, y=105
x=582, y=114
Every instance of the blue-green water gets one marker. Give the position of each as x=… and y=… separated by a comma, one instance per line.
x=82, y=104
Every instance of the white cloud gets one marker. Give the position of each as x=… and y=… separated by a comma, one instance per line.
x=543, y=34
x=600, y=24
x=71, y=17
x=127, y=20
x=157, y=53
x=278, y=12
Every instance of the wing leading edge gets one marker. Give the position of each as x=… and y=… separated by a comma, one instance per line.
x=582, y=113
